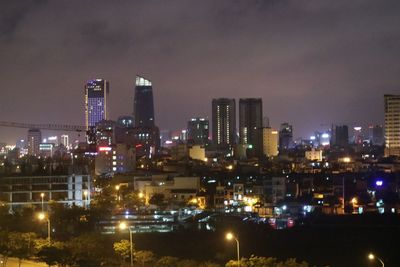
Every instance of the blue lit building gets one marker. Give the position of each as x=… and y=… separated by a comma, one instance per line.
x=96, y=97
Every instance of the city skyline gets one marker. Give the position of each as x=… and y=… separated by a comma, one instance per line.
x=278, y=51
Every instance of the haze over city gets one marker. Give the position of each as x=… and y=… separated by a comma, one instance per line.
x=314, y=63
x=182, y=133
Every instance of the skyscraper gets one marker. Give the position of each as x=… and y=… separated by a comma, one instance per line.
x=270, y=142
x=376, y=136
x=34, y=140
x=223, y=121
x=143, y=107
x=96, y=97
x=65, y=140
x=285, y=136
x=198, y=131
x=147, y=135
x=250, y=124
x=392, y=125
x=340, y=136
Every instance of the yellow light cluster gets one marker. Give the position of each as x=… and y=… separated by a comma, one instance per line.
x=250, y=200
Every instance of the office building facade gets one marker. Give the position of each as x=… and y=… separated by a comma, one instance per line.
x=33, y=141
x=224, y=121
x=250, y=124
x=198, y=131
x=285, y=136
x=143, y=107
x=270, y=142
x=392, y=125
x=96, y=102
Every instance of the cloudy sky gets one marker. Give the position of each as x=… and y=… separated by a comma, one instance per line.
x=313, y=62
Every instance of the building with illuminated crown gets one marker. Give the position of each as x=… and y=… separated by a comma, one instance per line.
x=146, y=133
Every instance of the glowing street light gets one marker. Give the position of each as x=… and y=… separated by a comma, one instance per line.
x=42, y=216
x=141, y=195
x=229, y=236
x=123, y=226
x=85, y=193
x=372, y=257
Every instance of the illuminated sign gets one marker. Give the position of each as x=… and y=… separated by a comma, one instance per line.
x=105, y=148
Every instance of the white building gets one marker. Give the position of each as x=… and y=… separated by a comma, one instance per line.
x=27, y=190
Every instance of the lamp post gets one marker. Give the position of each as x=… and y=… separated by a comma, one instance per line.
x=117, y=188
x=85, y=193
x=42, y=196
x=372, y=257
x=230, y=236
x=124, y=226
x=43, y=217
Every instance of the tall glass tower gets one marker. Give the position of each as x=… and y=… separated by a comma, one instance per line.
x=143, y=106
x=96, y=97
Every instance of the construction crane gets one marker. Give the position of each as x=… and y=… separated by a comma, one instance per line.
x=54, y=127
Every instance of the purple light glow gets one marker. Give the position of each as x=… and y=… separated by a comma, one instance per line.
x=379, y=183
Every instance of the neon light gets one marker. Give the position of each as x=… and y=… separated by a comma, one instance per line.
x=105, y=148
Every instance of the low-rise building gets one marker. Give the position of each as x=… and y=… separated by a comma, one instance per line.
x=35, y=190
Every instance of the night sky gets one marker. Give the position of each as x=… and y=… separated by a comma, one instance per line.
x=313, y=62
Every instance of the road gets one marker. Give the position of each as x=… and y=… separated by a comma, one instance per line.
x=14, y=263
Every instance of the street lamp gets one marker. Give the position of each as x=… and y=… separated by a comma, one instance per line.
x=117, y=188
x=42, y=216
x=372, y=257
x=230, y=236
x=42, y=196
x=124, y=226
x=85, y=193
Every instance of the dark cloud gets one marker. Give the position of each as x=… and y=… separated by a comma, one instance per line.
x=313, y=62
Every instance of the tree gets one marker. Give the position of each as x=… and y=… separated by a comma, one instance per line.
x=56, y=253
x=92, y=250
x=123, y=249
x=188, y=263
x=144, y=256
x=20, y=245
x=157, y=199
x=209, y=264
x=255, y=261
x=4, y=248
x=167, y=261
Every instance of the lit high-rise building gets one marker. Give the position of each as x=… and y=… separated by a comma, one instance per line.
x=392, y=125
x=376, y=135
x=270, y=142
x=65, y=140
x=250, y=124
x=143, y=107
x=285, y=136
x=223, y=121
x=340, y=136
x=146, y=134
x=96, y=98
x=198, y=131
x=34, y=140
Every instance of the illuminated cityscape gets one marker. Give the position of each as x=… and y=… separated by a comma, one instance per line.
x=276, y=144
